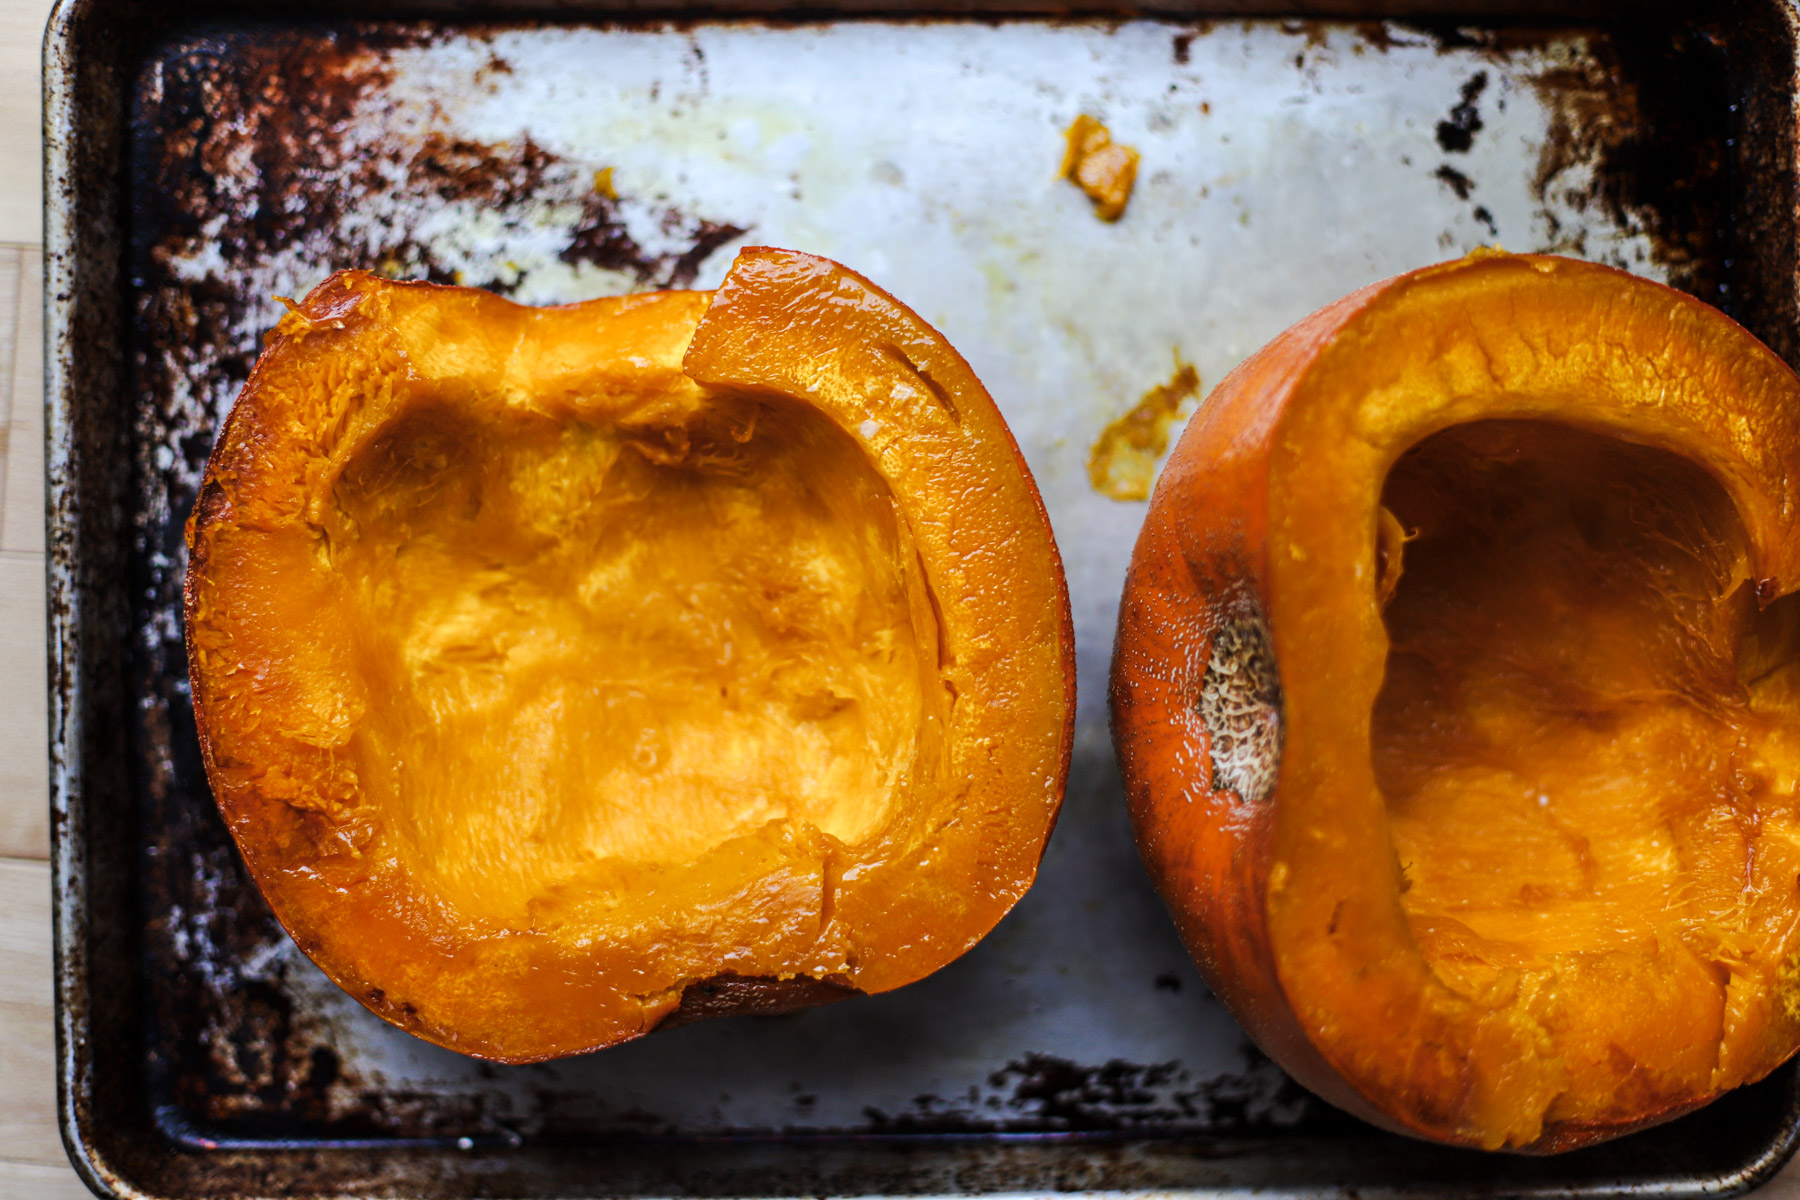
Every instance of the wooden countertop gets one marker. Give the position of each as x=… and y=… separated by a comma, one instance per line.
x=32, y=1162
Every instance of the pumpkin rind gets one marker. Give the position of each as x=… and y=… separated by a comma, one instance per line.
x=426, y=505
x=1268, y=523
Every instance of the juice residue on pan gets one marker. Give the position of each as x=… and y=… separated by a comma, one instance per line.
x=1122, y=463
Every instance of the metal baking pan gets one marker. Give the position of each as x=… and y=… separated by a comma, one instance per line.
x=202, y=159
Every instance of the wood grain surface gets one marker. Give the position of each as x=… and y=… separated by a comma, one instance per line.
x=33, y=1165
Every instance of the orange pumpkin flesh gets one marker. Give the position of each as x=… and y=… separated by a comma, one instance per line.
x=1457, y=693
x=565, y=672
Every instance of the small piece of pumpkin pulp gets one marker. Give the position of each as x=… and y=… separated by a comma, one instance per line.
x=1587, y=739
x=541, y=681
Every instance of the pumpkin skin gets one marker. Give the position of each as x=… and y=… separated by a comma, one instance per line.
x=565, y=673
x=1455, y=693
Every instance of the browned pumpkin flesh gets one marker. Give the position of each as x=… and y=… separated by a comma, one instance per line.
x=1496, y=840
x=562, y=672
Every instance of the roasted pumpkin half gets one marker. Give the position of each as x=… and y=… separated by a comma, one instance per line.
x=1457, y=692
x=567, y=672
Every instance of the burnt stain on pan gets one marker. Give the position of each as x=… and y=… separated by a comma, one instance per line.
x=227, y=1046
x=458, y=169
x=1456, y=132
x=602, y=239
x=1463, y=187
x=1045, y=1093
x=1639, y=132
x=252, y=146
x=1651, y=115
x=1455, y=180
x=1182, y=39
x=256, y=143
x=233, y=1050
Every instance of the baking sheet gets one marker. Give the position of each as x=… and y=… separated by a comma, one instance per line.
x=1284, y=163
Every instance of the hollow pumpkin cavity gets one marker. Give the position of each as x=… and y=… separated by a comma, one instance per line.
x=1585, y=739
x=633, y=645
x=1520, y=534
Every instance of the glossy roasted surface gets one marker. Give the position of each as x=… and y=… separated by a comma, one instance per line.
x=1514, y=532
x=541, y=683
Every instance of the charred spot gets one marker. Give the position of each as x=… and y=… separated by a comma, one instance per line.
x=241, y=143
x=1650, y=114
x=232, y=1049
x=1066, y=1095
x=213, y=503
x=271, y=93
x=1455, y=180
x=1168, y=981
x=197, y=448
x=1449, y=35
x=708, y=237
x=235, y=369
x=729, y=995
x=1377, y=35
x=602, y=239
x=325, y=1068
x=1047, y=1094
x=458, y=169
x=1456, y=133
